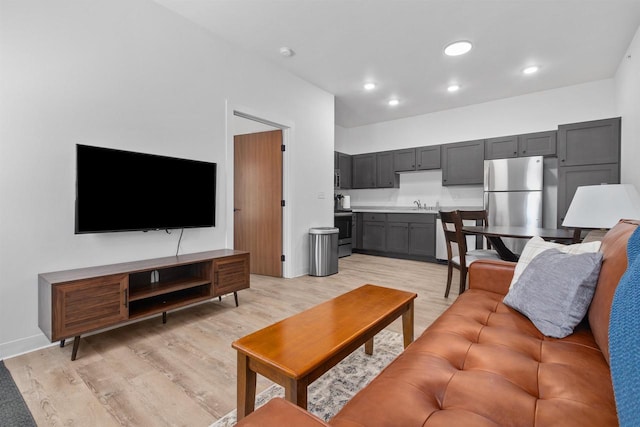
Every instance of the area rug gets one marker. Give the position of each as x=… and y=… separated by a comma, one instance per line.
x=13, y=410
x=329, y=393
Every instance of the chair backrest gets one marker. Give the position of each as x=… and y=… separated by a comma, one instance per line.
x=481, y=218
x=452, y=227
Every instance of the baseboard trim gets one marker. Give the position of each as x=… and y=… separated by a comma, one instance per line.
x=23, y=345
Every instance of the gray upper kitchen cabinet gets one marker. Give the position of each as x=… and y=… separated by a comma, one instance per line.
x=537, y=144
x=404, y=160
x=501, y=148
x=343, y=169
x=416, y=159
x=589, y=143
x=463, y=163
x=364, y=170
x=374, y=232
x=529, y=144
x=385, y=175
x=572, y=177
x=428, y=157
x=588, y=154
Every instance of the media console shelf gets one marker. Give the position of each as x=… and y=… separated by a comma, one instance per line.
x=74, y=302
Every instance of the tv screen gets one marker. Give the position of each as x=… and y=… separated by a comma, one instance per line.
x=120, y=190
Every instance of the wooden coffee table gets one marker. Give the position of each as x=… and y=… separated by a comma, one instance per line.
x=298, y=350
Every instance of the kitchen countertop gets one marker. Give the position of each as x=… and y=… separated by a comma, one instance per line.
x=409, y=209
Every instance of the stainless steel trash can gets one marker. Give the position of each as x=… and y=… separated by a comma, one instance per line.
x=323, y=251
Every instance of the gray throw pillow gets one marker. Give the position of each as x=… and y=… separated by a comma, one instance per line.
x=555, y=290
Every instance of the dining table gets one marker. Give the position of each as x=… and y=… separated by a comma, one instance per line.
x=495, y=233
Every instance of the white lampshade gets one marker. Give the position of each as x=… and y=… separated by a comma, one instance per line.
x=602, y=206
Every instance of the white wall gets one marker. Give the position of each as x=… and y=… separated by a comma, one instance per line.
x=535, y=112
x=627, y=82
x=130, y=74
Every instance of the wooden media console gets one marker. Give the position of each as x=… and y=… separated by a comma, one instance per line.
x=75, y=302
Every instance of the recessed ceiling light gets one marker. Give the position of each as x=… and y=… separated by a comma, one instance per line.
x=369, y=86
x=394, y=102
x=531, y=70
x=286, y=52
x=458, y=48
x=453, y=88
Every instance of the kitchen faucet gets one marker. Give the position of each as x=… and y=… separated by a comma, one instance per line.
x=417, y=202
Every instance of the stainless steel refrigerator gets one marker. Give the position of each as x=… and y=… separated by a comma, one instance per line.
x=513, y=194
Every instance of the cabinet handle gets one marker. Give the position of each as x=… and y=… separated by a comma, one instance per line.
x=419, y=165
x=524, y=151
x=515, y=152
x=126, y=298
x=562, y=160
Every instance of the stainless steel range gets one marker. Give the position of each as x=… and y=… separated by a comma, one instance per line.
x=343, y=221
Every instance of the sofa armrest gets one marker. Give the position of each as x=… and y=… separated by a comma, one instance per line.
x=491, y=275
x=279, y=412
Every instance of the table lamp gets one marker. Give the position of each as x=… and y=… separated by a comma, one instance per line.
x=602, y=206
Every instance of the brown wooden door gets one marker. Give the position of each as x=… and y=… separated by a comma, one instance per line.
x=257, y=200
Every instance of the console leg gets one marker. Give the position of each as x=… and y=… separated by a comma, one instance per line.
x=164, y=317
x=76, y=344
x=220, y=298
x=61, y=343
x=235, y=296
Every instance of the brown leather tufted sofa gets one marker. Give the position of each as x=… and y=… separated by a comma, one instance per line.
x=483, y=364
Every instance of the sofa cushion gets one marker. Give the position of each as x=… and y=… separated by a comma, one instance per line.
x=555, y=290
x=482, y=363
x=536, y=245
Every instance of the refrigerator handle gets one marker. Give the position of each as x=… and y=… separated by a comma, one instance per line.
x=486, y=203
x=487, y=167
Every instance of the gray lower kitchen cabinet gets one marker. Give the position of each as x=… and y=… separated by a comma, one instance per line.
x=589, y=143
x=428, y=157
x=404, y=160
x=422, y=239
x=374, y=231
x=363, y=170
x=537, y=144
x=501, y=148
x=397, y=237
x=572, y=177
x=385, y=175
x=463, y=163
x=354, y=231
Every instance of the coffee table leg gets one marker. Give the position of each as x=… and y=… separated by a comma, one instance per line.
x=246, y=387
x=368, y=347
x=407, y=325
x=296, y=392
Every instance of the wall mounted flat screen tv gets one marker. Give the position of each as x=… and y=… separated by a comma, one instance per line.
x=120, y=190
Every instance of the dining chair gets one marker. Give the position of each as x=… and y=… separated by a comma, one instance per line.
x=457, y=254
x=481, y=217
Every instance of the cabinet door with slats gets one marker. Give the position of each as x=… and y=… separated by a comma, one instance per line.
x=85, y=305
x=231, y=274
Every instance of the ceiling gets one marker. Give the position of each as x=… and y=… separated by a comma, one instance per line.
x=398, y=44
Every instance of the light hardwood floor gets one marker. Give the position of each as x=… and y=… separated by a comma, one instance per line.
x=184, y=372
